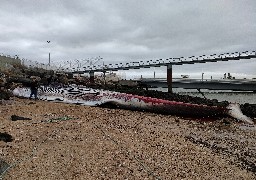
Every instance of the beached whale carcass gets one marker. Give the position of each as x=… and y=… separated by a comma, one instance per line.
x=95, y=97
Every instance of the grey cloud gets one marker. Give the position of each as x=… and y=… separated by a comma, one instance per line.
x=129, y=30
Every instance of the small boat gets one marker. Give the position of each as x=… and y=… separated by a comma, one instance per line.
x=95, y=97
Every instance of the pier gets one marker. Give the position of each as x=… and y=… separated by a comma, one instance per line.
x=221, y=84
x=169, y=63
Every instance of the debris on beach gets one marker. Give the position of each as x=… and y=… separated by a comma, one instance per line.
x=3, y=167
x=6, y=137
x=16, y=118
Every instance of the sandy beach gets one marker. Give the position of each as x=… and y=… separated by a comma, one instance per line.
x=64, y=141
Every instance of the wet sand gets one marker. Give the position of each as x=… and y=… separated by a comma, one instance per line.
x=63, y=141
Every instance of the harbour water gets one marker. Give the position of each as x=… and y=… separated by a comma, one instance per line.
x=240, y=97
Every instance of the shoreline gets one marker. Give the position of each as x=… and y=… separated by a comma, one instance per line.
x=91, y=143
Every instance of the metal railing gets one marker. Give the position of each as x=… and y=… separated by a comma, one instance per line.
x=92, y=64
x=165, y=62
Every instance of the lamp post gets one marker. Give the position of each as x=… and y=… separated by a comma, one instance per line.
x=202, y=76
x=49, y=55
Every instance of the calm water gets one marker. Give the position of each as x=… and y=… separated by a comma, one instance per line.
x=231, y=96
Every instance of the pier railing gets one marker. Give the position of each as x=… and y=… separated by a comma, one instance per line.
x=168, y=61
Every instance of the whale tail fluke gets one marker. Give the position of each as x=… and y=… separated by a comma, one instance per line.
x=234, y=111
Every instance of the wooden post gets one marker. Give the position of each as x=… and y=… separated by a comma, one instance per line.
x=169, y=77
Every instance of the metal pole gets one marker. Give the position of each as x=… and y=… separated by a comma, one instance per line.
x=49, y=59
x=49, y=55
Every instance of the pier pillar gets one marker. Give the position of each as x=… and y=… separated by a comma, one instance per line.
x=104, y=77
x=169, y=77
x=91, y=73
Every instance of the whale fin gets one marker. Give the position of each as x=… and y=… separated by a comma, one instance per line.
x=235, y=112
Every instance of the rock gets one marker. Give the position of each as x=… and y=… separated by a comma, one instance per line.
x=16, y=118
x=6, y=137
x=2, y=81
x=4, y=94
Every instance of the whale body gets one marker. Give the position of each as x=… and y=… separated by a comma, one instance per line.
x=95, y=97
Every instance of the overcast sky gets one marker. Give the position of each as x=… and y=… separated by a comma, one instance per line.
x=131, y=30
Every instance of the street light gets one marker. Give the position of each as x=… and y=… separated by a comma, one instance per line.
x=49, y=55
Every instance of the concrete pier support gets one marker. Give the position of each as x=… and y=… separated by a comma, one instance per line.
x=169, y=77
x=91, y=73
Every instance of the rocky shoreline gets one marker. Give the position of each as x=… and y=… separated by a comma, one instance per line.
x=22, y=75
